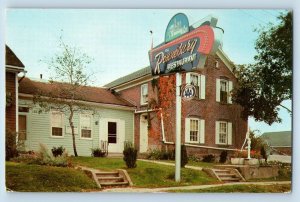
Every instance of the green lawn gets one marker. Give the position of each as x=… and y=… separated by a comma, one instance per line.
x=148, y=174
x=193, y=163
x=35, y=178
x=242, y=189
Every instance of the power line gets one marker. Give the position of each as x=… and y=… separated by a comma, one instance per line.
x=253, y=17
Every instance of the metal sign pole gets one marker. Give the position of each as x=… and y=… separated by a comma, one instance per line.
x=178, y=129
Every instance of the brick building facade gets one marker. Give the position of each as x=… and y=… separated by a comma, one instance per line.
x=210, y=122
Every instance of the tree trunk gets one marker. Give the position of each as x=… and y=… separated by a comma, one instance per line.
x=72, y=129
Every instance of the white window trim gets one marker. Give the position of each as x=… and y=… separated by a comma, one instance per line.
x=63, y=124
x=86, y=138
x=228, y=140
x=202, y=83
x=201, y=131
x=142, y=101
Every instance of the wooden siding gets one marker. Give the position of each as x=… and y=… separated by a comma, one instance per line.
x=39, y=129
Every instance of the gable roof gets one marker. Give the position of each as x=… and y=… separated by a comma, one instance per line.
x=85, y=93
x=11, y=58
x=129, y=77
x=279, y=139
x=146, y=71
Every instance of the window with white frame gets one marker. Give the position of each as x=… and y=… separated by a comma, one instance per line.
x=223, y=91
x=194, y=130
x=223, y=132
x=198, y=80
x=86, y=125
x=56, y=124
x=144, y=93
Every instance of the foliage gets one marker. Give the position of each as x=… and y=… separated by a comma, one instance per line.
x=208, y=158
x=264, y=85
x=69, y=78
x=10, y=145
x=255, y=154
x=97, y=152
x=240, y=154
x=184, y=156
x=156, y=154
x=34, y=178
x=263, y=153
x=57, y=151
x=43, y=157
x=256, y=141
x=130, y=156
x=223, y=157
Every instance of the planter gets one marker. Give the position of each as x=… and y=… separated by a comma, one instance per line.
x=237, y=161
x=251, y=162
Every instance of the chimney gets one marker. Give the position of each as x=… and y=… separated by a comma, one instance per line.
x=41, y=76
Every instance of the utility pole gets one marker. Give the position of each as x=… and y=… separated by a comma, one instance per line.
x=178, y=129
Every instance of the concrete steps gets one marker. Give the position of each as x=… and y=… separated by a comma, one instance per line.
x=228, y=175
x=111, y=179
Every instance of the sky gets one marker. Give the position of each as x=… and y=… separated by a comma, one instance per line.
x=119, y=40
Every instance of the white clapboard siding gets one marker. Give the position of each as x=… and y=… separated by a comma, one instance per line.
x=229, y=133
x=202, y=131
x=202, y=87
x=218, y=86
x=230, y=87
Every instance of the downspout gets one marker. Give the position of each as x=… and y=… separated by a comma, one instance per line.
x=17, y=81
x=163, y=128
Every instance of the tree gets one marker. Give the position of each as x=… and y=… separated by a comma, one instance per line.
x=264, y=85
x=65, y=93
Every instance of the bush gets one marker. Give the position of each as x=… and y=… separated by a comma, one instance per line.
x=57, y=151
x=184, y=156
x=263, y=153
x=130, y=155
x=223, y=157
x=161, y=155
x=97, y=152
x=208, y=158
x=10, y=145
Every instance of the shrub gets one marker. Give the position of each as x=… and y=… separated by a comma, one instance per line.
x=208, y=158
x=223, y=157
x=263, y=153
x=194, y=158
x=57, y=151
x=97, y=152
x=161, y=155
x=184, y=156
x=10, y=145
x=130, y=155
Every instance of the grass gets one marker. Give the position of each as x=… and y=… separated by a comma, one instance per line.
x=147, y=174
x=193, y=163
x=35, y=178
x=279, y=188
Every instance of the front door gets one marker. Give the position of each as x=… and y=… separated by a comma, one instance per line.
x=113, y=131
x=22, y=128
x=143, y=133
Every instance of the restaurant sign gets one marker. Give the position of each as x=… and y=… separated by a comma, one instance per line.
x=178, y=25
x=183, y=53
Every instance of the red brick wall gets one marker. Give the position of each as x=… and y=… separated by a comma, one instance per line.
x=10, y=114
x=207, y=109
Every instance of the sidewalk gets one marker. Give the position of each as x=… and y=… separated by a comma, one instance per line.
x=165, y=189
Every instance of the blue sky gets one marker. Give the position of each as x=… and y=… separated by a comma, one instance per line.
x=119, y=40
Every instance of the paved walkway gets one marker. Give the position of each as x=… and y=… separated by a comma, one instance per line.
x=170, y=164
x=166, y=189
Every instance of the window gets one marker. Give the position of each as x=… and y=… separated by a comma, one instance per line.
x=194, y=130
x=223, y=89
x=112, y=132
x=144, y=94
x=216, y=64
x=198, y=81
x=86, y=125
x=223, y=132
x=57, y=124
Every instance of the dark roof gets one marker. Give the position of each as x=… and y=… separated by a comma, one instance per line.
x=135, y=75
x=11, y=58
x=282, y=138
x=85, y=93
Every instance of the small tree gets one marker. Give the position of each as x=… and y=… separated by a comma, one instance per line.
x=69, y=67
x=184, y=156
x=130, y=155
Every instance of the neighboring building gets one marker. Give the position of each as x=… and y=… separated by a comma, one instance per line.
x=279, y=142
x=109, y=118
x=13, y=66
x=210, y=122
